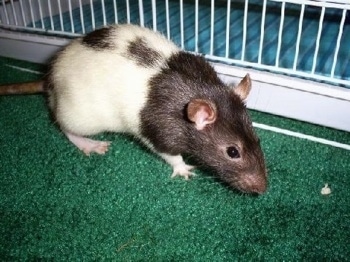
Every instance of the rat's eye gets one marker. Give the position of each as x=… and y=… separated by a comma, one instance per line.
x=233, y=152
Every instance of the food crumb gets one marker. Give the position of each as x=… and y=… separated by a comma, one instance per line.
x=325, y=190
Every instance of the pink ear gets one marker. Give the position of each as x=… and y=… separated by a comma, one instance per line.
x=201, y=112
x=244, y=87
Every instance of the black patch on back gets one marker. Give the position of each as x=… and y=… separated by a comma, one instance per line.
x=143, y=54
x=99, y=39
x=194, y=67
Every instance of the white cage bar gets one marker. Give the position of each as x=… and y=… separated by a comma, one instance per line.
x=297, y=51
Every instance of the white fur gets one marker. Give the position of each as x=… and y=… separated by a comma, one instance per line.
x=102, y=90
x=180, y=168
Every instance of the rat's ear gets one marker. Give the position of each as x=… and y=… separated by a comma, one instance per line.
x=201, y=112
x=244, y=87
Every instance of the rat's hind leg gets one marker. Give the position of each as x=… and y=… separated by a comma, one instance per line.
x=88, y=145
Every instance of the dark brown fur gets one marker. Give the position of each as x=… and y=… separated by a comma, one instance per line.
x=99, y=39
x=142, y=54
x=164, y=121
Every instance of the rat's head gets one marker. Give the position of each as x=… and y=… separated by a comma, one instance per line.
x=224, y=139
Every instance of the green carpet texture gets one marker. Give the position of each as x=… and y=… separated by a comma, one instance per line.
x=56, y=204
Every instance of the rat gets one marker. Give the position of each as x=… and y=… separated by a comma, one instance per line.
x=130, y=79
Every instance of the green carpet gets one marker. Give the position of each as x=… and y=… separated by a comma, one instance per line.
x=57, y=204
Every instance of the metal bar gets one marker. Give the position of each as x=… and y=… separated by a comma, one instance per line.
x=30, y=13
x=5, y=11
x=22, y=12
x=319, y=33
x=154, y=15
x=212, y=28
x=262, y=32
x=128, y=11
x=92, y=15
x=196, y=31
x=182, y=24
x=71, y=16
x=340, y=33
x=104, y=12
x=142, y=20
x=280, y=32
x=228, y=18
x=300, y=30
x=167, y=18
x=41, y=14
x=244, y=40
x=115, y=8
x=60, y=15
x=14, y=12
x=81, y=17
x=52, y=25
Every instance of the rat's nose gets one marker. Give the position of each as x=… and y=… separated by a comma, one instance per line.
x=253, y=183
x=259, y=188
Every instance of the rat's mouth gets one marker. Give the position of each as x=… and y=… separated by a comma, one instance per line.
x=252, y=184
x=249, y=184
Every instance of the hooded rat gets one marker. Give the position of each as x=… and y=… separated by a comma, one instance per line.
x=130, y=79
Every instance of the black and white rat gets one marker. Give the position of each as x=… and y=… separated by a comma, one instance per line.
x=125, y=78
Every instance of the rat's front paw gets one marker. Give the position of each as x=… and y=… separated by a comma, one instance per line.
x=179, y=166
x=183, y=170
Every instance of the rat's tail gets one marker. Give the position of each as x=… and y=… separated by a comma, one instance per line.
x=22, y=88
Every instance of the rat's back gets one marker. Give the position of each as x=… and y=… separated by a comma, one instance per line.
x=100, y=82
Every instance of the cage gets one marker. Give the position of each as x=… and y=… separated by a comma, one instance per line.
x=296, y=51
